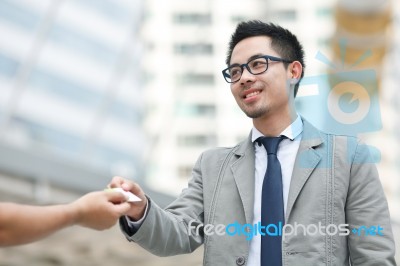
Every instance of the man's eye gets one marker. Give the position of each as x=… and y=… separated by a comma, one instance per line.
x=258, y=63
x=235, y=72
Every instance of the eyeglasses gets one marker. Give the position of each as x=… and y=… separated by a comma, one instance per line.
x=255, y=66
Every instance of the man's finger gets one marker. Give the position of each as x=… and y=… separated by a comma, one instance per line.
x=116, y=181
x=132, y=187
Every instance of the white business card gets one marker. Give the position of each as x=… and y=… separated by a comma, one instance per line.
x=131, y=197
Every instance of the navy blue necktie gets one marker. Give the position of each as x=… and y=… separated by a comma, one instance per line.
x=272, y=211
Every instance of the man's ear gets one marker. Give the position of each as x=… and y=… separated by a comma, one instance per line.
x=296, y=69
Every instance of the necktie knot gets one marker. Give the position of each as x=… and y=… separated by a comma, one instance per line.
x=271, y=143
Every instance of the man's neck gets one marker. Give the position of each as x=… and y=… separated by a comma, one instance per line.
x=273, y=125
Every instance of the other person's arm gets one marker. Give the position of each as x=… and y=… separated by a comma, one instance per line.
x=21, y=224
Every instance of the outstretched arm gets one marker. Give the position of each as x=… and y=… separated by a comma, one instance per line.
x=21, y=224
x=166, y=232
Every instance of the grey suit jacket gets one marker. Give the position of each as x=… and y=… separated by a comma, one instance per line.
x=334, y=182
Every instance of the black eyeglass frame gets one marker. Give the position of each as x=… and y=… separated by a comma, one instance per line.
x=227, y=76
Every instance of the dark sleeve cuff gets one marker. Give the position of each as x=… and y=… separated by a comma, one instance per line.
x=129, y=230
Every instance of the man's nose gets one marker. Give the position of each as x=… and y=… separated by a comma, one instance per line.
x=246, y=76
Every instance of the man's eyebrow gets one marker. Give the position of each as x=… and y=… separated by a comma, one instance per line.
x=249, y=59
x=254, y=56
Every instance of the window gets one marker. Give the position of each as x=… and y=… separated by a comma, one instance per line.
x=147, y=77
x=237, y=18
x=324, y=12
x=193, y=49
x=55, y=138
x=70, y=144
x=192, y=18
x=112, y=9
x=196, y=79
x=126, y=112
x=190, y=110
x=19, y=15
x=56, y=84
x=83, y=44
x=8, y=66
x=284, y=15
x=205, y=109
x=196, y=140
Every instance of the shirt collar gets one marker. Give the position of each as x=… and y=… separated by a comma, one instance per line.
x=291, y=132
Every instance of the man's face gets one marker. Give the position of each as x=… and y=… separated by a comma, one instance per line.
x=265, y=94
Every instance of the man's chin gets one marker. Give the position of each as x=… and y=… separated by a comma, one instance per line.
x=255, y=114
x=254, y=111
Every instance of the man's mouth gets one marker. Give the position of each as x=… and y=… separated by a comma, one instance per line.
x=251, y=94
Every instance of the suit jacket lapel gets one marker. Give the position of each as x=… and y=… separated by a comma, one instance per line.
x=306, y=161
x=242, y=168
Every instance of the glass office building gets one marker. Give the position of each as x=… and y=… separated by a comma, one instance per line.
x=71, y=90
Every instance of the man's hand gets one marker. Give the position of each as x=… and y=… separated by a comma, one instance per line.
x=100, y=210
x=137, y=209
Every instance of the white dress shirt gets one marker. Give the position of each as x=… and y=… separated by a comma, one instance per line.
x=287, y=152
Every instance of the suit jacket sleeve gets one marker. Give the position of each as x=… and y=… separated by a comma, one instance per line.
x=366, y=207
x=167, y=232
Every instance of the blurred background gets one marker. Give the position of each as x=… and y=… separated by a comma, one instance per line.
x=90, y=89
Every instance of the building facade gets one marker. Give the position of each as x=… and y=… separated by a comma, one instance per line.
x=70, y=88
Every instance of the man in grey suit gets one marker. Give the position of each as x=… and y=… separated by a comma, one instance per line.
x=332, y=206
